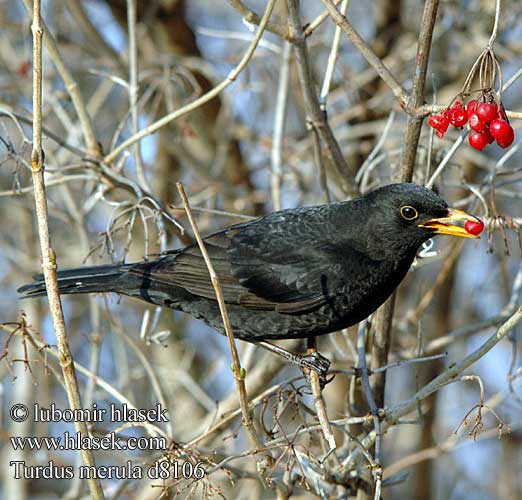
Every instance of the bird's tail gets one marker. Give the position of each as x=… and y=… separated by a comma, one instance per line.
x=106, y=278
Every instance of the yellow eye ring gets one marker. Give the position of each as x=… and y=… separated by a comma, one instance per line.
x=409, y=213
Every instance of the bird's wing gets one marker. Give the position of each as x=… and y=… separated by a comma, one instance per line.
x=257, y=268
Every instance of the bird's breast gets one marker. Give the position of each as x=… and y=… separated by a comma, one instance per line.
x=358, y=298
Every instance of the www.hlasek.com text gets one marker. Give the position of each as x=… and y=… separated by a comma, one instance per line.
x=76, y=441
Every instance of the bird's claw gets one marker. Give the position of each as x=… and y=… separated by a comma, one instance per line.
x=317, y=362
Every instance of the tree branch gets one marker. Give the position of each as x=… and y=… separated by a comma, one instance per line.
x=208, y=96
x=315, y=116
x=366, y=51
x=239, y=372
x=48, y=255
x=72, y=88
x=416, y=100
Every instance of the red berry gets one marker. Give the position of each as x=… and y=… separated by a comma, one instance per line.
x=439, y=123
x=459, y=117
x=506, y=142
x=478, y=140
x=472, y=107
x=449, y=112
x=503, y=132
x=474, y=227
x=488, y=135
x=487, y=112
x=499, y=128
x=455, y=105
x=476, y=124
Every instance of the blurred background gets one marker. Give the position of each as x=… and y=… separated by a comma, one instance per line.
x=242, y=154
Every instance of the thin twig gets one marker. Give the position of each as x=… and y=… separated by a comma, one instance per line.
x=478, y=424
x=322, y=415
x=447, y=158
x=404, y=362
x=95, y=337
x=251, y=17
x=72, y=88
x=279, y=126
x=133, y=88
x=311, y=27
x=374, y=410
x=56, y=138
x=380, y=349
x=320, y=406
x=208, y=96
x=43, y=349
x=48, y=255
x=239, y=372
x=315, y=115
x=77, y=11
x=494, y=32
x=414, y=126
x=318, y=159
x=366, y=51
x=332, y=59
x=364, y=170
x=153, y=377
x=451, y=443
x=449, y=375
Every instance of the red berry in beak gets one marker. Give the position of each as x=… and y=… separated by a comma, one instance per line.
x=474, y=227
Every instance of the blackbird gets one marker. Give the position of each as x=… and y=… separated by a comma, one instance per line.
x=291, y=274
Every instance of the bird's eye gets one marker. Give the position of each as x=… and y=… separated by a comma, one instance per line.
x=409, y=213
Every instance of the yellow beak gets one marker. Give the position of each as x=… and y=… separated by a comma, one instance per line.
x=443, y=225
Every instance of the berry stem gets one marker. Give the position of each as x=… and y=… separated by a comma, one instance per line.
x=495, y=26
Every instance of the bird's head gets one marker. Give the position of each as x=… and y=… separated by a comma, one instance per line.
x=403, y=216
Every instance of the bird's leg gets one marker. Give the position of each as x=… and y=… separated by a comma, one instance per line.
x=311, y=360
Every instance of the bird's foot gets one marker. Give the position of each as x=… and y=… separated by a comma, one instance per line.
x=312, y=360
x=317, y=362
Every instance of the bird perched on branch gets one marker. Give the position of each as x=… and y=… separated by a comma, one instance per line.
x=291, y=274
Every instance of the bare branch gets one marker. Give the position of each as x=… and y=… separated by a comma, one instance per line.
x=367, y=52
x=208, y=96
x=48, y=255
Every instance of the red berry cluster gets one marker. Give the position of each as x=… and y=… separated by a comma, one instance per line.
x=486, y=121
x=456, y=115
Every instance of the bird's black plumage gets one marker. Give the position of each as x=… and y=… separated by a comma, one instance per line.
x=291, y=274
